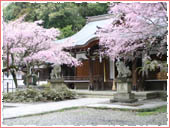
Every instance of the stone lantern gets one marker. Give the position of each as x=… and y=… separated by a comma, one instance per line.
x=124, y=84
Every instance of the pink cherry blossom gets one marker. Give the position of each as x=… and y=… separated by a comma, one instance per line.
x=135, y=24
x=30, y=43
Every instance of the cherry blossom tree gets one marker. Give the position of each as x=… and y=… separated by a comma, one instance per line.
x=136, y=25
x=29, y=44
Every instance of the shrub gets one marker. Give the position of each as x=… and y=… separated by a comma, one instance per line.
x=48, y=85
x=59, y=93
x=36, y=95
x=163, y=96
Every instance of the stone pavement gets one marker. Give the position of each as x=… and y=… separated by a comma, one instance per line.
x=9, y=111
x=26, y=109
x=140, y=105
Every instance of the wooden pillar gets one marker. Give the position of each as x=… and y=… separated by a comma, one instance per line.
x=134, y=75
x=74, y=68
x=91, y=87
x=104, y=68
x=104, y=75
x=114, y=77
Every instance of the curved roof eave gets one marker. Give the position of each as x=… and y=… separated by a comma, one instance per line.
x=87, y=43
x=87, y=33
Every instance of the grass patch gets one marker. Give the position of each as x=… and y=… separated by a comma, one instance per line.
x=114, y=109
x=154, y=111
x=139, y=111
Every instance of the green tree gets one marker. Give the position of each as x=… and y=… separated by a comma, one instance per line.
x=93, y=9
x=66, y=31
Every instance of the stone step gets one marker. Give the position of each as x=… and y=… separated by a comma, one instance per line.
x=109, y=94
x=94, y=96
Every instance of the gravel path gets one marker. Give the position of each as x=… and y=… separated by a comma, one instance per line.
x=89, y=116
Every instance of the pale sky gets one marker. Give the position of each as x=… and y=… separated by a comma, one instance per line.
x=5, y=3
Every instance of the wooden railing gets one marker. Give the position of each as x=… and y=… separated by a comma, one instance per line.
x=97, y=81
x=82, y=78
x=96, y=77
x=75, y=78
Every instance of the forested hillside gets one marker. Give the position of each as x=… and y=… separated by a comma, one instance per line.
x=68, y=17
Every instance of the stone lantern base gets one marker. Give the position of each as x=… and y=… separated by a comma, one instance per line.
x=123, y=97
x=124, y=91
x=57, y=82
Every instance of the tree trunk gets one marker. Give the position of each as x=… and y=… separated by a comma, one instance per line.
x=13, y=73
x=27, y=76
x=14, y=78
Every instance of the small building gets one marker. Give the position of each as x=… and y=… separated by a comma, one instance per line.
x=8, y=82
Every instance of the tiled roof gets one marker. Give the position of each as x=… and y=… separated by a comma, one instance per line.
x=87, y=33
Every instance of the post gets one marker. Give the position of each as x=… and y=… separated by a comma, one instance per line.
x=7, y=67
x=134, y=75
x=27, y=73
x=104, y=74
x=38, y=78
x=91, y=73
x=7, y=87
x=89, y=55
x=104, y=66
x=114, y=77
x=12, y=86
x=3, y=83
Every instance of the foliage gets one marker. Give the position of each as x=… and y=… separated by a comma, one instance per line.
x=92, y=9
x=163, y=96
x=57, y=15
x=59, y=93
x=28, y=95
x=162, y=109
x=135, y=26
x=37, y=95
x=152, y=65
x=66, y=31
x=48, y=85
